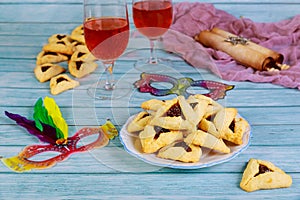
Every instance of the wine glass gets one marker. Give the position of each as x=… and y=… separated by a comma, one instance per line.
x=152, y=18
x=106, y=32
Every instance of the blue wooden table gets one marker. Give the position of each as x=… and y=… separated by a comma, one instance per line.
x=111, y=173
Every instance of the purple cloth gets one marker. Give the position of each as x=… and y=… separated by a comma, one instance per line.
x=283, y=37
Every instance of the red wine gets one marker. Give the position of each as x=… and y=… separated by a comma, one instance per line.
x=152, y=18
x=106, y=38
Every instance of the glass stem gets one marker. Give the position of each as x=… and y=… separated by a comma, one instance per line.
x=109, y=83
x=153, y=58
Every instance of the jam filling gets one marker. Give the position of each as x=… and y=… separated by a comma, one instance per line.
x=158, y=130
x=193, y=105
x=60, y=36
x=183, y=145
x=175, y=111
x=76, y=44
x=262, y=169
x=61, y=42
x=50, y=53
x=78, y=64
x=61, y=79
x=232, y=125
x=145, y=115
x=45, y=68
x=211, y=117
x=80, y=54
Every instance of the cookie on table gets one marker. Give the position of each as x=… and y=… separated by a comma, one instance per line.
x=78, y=34
x=80, y=68
x=58, y=37
x=153, y=138
x=50, y=57
x=61, y=83
x=261, y=174
x=46, y=71
x=181, y=151
x=60, y=46
x=79, y=38
x=82, y=55
x=78, y=30
x=80, y=47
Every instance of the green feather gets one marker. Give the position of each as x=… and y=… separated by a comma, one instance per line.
x=40, y=115
x=48, y=112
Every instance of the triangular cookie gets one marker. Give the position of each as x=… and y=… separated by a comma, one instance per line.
x=207, y=140
x=169, y=107
x=217, y=123
x=154, y=137
x=80, y=69
x=153, y=104
x=214, y=104
x=139, y=122
x=61, y=83
x=200, y=106
x=193, y=109
x=46, y=71
x=223, y=119
x=60, y=46
x=260, y=174
x=78, y=34
x=80, y=47
x=236, y=131
x=58, y=37
x=208, y=126
x=181, y=151
x=82, y=56
x=50, y=57
x=172, y=116
x=78, y=30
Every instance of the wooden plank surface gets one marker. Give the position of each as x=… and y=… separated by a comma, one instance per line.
x=111, y=173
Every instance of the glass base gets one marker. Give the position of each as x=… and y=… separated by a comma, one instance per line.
x=98, y=91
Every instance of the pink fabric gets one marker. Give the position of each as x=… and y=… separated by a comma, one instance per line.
x=283, y=37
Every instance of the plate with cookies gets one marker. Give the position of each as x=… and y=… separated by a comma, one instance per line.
x=185, y=133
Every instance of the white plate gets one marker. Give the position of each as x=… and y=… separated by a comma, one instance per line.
x=208, y=158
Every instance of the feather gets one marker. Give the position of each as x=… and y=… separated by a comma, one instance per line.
x=59, y=122
x=109, y=129
x=48, y=134
x=40, y=115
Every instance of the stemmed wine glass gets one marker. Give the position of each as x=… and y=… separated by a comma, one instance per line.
x=106, y=31
x=152, y=18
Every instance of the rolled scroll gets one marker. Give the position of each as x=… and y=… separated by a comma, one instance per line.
x=240, y=49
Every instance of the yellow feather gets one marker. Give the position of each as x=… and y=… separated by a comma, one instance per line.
x=54, y=112
x=109, y=129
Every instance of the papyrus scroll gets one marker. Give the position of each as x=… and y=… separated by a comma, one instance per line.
x=246, y=52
